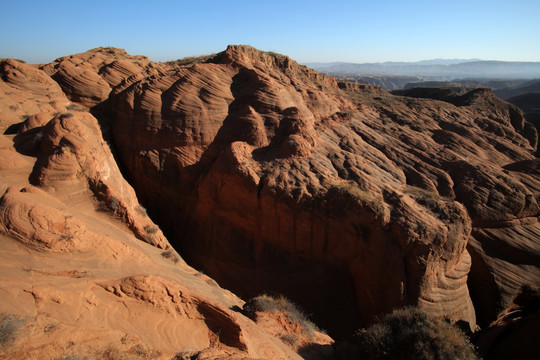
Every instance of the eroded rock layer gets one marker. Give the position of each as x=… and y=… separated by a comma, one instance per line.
x=88, y=78
x=272, y=177
x=84, y=272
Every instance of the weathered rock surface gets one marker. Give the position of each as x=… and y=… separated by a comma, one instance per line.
x=273, y=177
x=76, y=281
x=24, y=90
x=74, y=162
x=269, y=177
x=89, y=77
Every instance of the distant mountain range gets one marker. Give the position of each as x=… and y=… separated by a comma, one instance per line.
x=438, y=69
x=322, y=65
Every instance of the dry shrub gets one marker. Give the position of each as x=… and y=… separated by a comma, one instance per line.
x=409, y=333
x=171, y=255
x=266, y=303
x=191, y=60
x=9, y=327
x=141, y=210
x=290, y=340
x=151, y=229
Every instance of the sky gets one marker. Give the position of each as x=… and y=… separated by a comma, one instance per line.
x=307, y=31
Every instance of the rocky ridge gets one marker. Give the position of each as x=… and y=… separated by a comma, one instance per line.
x=88, y=78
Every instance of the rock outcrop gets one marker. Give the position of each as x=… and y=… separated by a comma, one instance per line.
x=25, y=91
x=270, y=176
x=500, y=190
x=88, y=78
x=85, y=273
x=74, y=162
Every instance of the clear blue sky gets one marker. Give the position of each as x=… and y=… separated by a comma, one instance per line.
x=307, y=31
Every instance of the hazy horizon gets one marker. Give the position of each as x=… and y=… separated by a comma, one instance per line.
x=307, y=31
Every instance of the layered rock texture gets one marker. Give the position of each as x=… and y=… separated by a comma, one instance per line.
x=272, y=177
x=85, y=273
x=268, y=176
x=88, y=78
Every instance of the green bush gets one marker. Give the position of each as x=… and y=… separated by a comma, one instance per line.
x=409, y=333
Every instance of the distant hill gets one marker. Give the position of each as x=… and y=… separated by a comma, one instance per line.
x=504, y=89
x=525, y=94
x=530, y=101
x=530, y=104
x=387, y=82
x=532, y=86
x=442, y=69
x=445, y=61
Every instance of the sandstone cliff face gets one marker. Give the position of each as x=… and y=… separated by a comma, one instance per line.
x=85, y=273
x=272, y=177
x=269, y=177
x=501, y=192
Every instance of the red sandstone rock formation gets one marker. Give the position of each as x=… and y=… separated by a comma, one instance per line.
x=89, y=77
x=25, y=91
x=272, y=177
x=76, y=279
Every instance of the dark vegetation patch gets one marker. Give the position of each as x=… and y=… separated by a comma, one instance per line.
x=409, y=333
